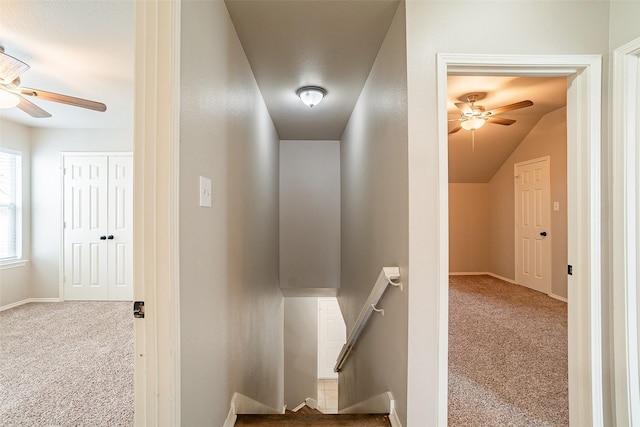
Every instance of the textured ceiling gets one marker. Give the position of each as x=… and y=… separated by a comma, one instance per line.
x=332, y=44
x=79, y=48
x=494, y=143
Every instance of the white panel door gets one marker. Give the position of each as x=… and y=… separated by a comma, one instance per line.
x=98, y=227
x=332, y=335
x=85, y=228
x=120, y=228
x=532, y=225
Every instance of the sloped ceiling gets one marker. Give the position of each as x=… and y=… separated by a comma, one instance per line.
x=477, y=158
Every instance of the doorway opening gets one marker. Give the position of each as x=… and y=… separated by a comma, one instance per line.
x=499, y=203
x=583, y=207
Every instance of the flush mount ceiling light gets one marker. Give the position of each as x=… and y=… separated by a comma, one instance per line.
x=311, y=95
x=8, y=100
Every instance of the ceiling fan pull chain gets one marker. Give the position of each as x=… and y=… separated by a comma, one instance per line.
x=473, y=141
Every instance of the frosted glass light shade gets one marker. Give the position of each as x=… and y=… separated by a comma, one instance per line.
x=472, y=124
x=311, y=95
x=8, y=100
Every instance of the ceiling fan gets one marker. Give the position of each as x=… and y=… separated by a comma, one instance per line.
x=12, y=93
x=473, y=117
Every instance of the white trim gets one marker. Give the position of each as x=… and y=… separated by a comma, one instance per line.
x=625, y=227
x=156, y=252
x=28, y=300
x=558, y=297
x=505, y=279
x=584, y=200
x=468, y=273
x=383, y=403
x=14, y=263
x=311, y=403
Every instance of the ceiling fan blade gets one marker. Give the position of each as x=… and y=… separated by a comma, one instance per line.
x=465, y=108
x=64, y=99
x=509, y=107
x=32, y=109
x=458, y=119
x=455, y=129
x=10, y=68
x=500, y=121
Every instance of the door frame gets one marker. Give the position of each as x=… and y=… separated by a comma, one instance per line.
x=625, y=228
x=584, y=208
x=156, y=179
x=63, y=155
x=549, y=237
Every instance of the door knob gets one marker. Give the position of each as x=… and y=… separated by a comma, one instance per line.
x=111, y=236
x=103, y=237
x=543, y=234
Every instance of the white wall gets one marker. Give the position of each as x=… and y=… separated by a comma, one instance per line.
x=231, y=306
x=374, y=219
x=15, y=283
x=46, y=185
x=309, y=214
x=300, y=350
x=523, y=27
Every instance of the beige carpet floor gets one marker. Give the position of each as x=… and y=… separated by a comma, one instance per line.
x=507, y=355
x=67, y=364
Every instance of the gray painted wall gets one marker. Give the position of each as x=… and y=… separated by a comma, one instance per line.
x=231, y=307
x=300, y=350
x=309, y=214
x=374, y=208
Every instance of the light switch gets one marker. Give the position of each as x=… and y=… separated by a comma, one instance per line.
x=556, y=206
x=205, y=192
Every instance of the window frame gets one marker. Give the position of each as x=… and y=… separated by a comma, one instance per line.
x=15, y=208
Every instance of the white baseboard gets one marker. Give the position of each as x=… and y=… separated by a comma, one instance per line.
x=467, y=273
x=482, y=273
x=380, y=404
x=558, y=297
x=497, y=276
x=28, y=300
x=311, y=403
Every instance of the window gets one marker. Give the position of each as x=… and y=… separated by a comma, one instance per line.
x=10, y=205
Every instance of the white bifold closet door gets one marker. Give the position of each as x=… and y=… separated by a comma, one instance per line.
x=98, y=227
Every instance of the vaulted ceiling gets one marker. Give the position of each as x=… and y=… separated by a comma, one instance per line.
x=86, y=49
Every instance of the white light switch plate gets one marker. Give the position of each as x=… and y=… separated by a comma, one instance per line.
x=205, y=192
x=556, y=206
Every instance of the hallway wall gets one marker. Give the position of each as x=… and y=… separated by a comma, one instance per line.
x=231, y=307
x=374, y=219
x=309, y=216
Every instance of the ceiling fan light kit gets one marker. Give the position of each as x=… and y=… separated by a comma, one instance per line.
x=311, y=95
x=8, y=99
x=12, y=93
x=473, y=124
x=473, y=117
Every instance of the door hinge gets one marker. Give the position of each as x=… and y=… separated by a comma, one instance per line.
x=138, y=309
x=570, y=270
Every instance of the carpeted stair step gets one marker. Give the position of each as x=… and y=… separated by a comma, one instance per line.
x=322, y=420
